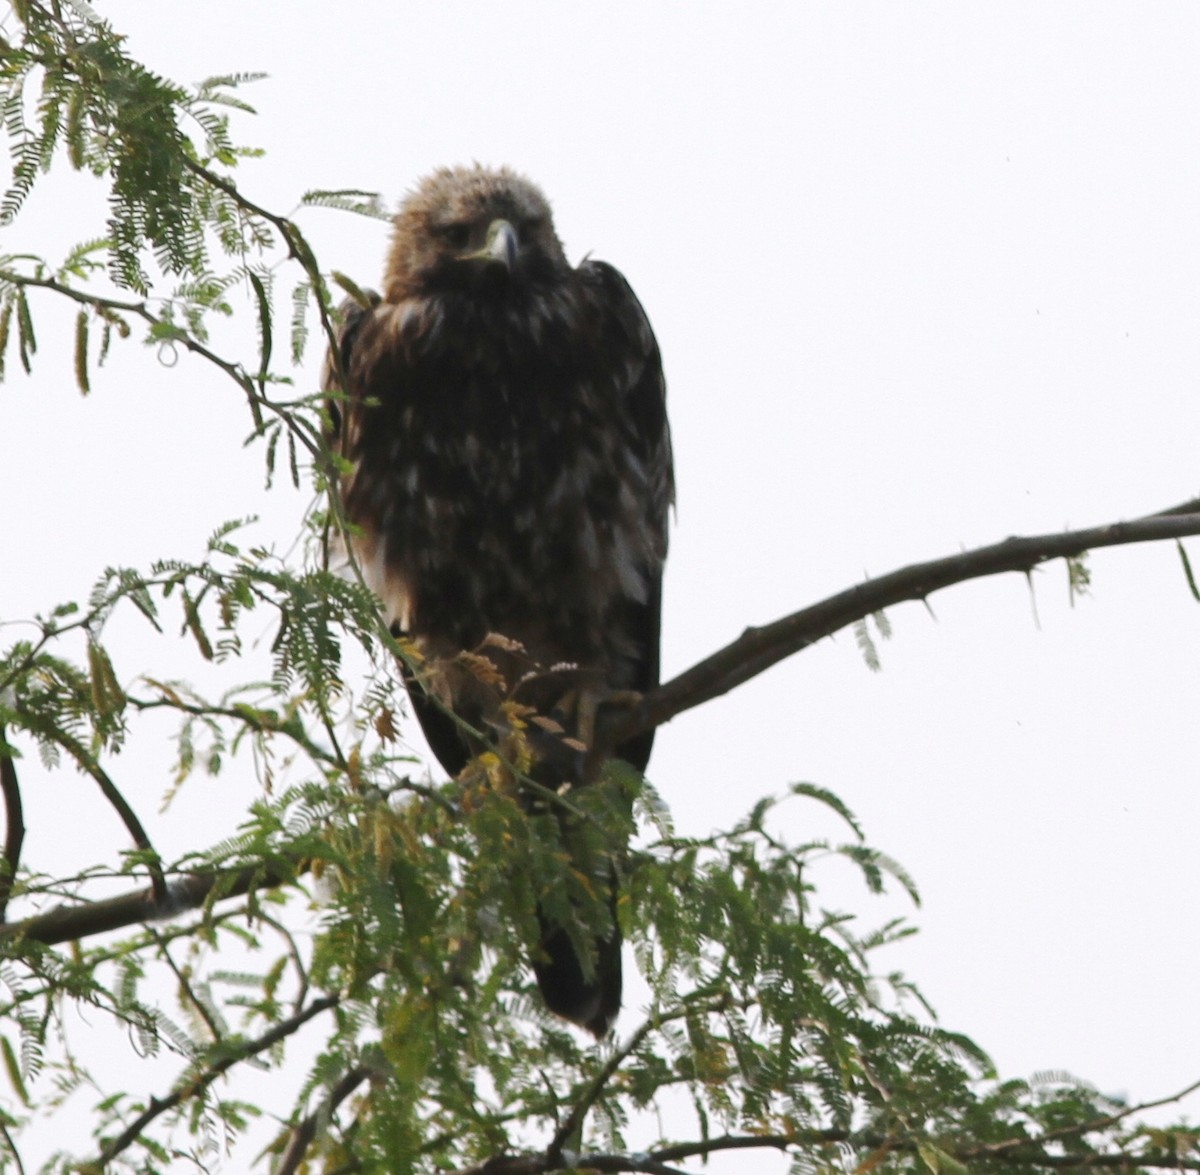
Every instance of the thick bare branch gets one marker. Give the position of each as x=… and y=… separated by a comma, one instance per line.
x=758, y=649
x=68, y=923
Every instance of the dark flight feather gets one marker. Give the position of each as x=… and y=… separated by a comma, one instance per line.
x=504, y=415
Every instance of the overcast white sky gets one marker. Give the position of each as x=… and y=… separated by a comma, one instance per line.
x=924, y=275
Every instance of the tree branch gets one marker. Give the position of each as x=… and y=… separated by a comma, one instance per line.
x=187, y=992
x=614, y=1164
x=205, y=1078
x=1019, y=1152
x=303, y=1133
x=998, y=1148
x=12, y=1148
x=128, y=816
x=573, y=1124
x=67, y=923
x=14, y=820
x=1024, y=1153
x=754, y=651
x=308, y=438
x=758, y=649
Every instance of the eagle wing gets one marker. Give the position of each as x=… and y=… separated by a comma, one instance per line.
x=349, y=319
x=563, y=552
x=628, y=517
x=636, y=370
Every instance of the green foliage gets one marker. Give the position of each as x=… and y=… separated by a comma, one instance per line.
x=151, y=139
x=766, y=1024
x=349, y=200
x=866, y=643
x=1079, y=576
x=354, y=921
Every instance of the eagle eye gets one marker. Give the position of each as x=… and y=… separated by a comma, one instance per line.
x=457, y=236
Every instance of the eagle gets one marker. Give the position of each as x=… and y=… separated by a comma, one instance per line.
x=502, y=416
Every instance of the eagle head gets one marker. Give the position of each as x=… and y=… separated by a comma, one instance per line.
x=472, y=228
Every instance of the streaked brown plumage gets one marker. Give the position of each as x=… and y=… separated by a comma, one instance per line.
x=511, y=475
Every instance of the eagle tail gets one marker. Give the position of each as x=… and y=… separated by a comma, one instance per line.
x=591, y=1003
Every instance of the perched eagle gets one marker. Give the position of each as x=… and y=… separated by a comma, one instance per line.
x=504, y=418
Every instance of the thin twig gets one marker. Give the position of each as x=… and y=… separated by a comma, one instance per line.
x=128, y=816
x=14, y=821
x=308, y=438
x=189, y=993
x=258, y=721
x=201, y=1081
x=571, y=1125
x=297, y=246
x=293, y=953
x=574, y=1120
x=987, y=1150
x=12, y=1148
x=303, y=1133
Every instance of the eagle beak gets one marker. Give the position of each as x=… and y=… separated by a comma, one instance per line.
x=500, y=247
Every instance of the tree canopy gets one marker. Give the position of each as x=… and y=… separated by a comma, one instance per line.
x=350, y=956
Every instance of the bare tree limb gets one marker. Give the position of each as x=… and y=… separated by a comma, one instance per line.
x=757, y=649
x=67, y=923
x=14, y=822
